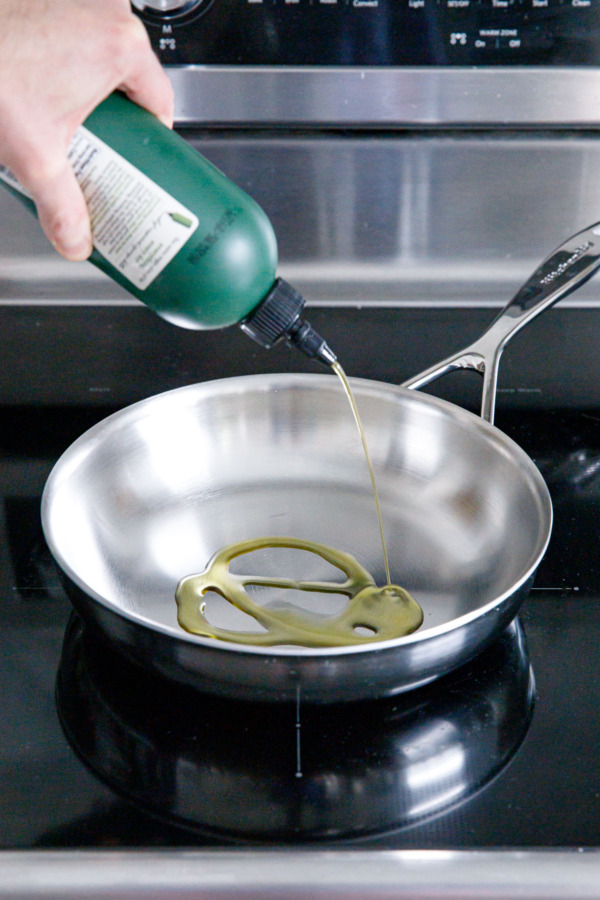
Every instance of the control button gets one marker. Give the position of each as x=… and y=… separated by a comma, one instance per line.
x=167, y=7
x=498, y=39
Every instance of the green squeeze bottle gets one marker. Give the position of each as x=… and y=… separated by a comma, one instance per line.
x=176, y=233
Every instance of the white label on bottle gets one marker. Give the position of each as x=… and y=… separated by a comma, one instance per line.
x=136, y=225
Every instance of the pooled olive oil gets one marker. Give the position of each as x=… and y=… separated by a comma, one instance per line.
x=372, y=614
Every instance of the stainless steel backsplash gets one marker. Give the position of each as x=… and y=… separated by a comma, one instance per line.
x=403, y=244
x=431, y=219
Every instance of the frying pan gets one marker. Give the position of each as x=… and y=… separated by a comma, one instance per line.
x=148, y=495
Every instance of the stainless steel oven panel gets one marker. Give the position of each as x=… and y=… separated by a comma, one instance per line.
x=386, y=97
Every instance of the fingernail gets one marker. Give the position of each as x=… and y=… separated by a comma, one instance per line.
x=76, y=248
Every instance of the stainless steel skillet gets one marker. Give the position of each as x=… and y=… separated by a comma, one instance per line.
x=148, y=495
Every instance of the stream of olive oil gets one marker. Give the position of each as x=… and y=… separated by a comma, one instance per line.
x=342, y=376
x=373, y=613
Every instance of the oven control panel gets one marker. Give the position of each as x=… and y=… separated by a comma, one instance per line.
x=374, y=32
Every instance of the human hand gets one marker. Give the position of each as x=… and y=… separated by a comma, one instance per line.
x=58, y=60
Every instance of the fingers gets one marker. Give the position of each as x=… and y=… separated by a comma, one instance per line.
x=48, y=176
x=63, y=214
x=145, y=81
x=58, y=75
x=153, y=92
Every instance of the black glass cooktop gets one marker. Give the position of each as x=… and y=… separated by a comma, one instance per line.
x=503, y=752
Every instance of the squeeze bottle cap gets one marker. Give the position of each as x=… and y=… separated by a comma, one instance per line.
x=277, y=317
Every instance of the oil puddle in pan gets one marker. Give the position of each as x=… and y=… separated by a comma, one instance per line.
x=372, y=614
x=292, y=772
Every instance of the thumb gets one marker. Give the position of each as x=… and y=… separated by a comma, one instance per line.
x=63, y=213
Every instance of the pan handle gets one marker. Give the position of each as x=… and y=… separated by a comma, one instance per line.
x=566, y=269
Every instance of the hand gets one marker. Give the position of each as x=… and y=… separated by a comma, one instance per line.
x=58, y=60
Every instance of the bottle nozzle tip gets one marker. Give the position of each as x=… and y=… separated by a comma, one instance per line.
x=278, y=316
x=304, y=337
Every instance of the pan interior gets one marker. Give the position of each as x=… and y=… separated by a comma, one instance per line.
x=149, y=495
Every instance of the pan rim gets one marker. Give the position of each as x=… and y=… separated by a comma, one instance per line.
x=74, y=455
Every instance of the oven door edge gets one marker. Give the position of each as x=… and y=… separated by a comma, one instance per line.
x=300, y=875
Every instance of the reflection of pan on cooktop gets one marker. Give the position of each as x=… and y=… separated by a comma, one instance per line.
x=292, y=772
